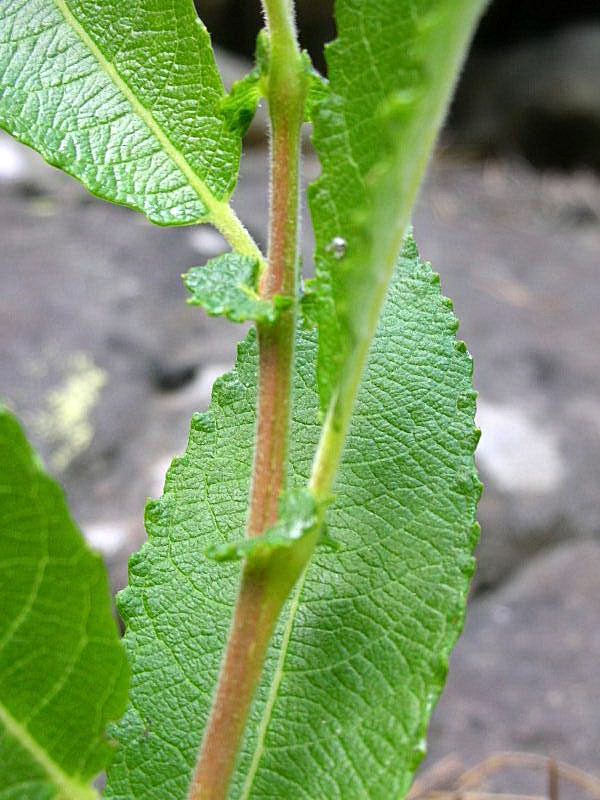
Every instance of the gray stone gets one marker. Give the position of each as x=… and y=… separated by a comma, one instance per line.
x=524, y=676
x=540, y=98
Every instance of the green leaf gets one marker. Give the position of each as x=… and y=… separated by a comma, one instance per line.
x=318, y=90
x=240, y=105
x=360, y=652
x=391, y=71
x=227, y=286
x=125, y=97
x=63, y=671
x=298, y=516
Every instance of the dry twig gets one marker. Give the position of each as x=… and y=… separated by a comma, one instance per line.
x=446, y=780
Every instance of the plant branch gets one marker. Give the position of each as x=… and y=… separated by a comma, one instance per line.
x=253, y=622
x=229, y=225
x=286, y=90
x=264, y=590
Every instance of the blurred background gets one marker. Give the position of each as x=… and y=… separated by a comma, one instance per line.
x=105, y=363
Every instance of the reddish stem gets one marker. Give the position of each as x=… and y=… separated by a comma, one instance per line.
x=276, y=342
x=250, y=633
x=263, y=591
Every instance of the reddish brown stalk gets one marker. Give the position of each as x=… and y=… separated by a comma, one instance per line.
x=263, y=591
x=256, y=610
x=248, y=639
x=276, y=342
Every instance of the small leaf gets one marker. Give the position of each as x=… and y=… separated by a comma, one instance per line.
x=240, y=105
x=227, y=286
x=318, y=89
x=63, y=671
x=299, y=515
x=360, y=654
x=125, y=97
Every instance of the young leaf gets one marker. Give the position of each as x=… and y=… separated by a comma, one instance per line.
x=125, y=97
x=360, y=653
x=239, y=107
x=298, y=516
x=318, y=90
x=63, y=671
x=391, y=71
x=227, y=286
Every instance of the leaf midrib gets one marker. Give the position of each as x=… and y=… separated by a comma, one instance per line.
x=214, y=206
x=69, y=789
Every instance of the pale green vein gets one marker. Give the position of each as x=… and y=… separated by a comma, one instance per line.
x=68, y=788
x=24, y=613
x=220, y=213
x=274, y=691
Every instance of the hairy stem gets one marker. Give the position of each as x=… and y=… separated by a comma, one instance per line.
x=224, y=218
x=254, y=618
x=263, y=591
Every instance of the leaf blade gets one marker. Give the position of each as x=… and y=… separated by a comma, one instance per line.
x=228, y=286
x=180, y=603
x=123, y=97
x=391, y=71
x=63, y=672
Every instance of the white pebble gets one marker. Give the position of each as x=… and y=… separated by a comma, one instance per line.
x=12, y=162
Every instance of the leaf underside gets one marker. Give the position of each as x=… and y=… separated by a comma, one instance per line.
x=391, y=71
x=360, y=653
x=125, y=97
x=227, y=286
x=63, y=671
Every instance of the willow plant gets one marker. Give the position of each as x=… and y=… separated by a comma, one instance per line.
x=289, y=620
